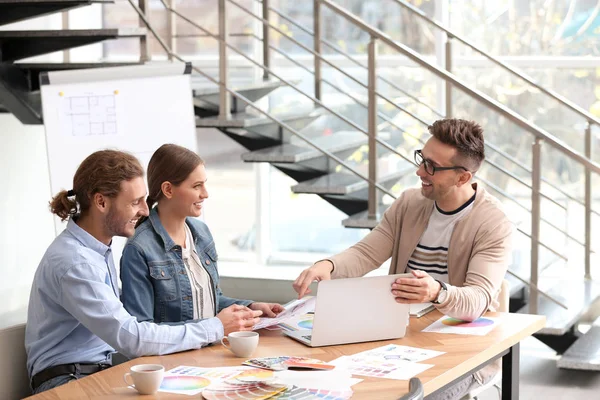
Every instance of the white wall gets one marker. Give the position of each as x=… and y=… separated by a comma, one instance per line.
x=26, y=225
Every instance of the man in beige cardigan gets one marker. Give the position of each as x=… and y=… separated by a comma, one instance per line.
x=450, y=234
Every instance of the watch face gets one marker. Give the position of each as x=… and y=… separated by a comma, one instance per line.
x=442, y=296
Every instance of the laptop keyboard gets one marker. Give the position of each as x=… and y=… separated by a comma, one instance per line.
x=307, y=337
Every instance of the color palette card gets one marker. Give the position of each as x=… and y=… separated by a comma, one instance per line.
x=298, y=393
x=480, y=327
x=194, y=380
x=378, y=368
x=282, y=363
x=256, y=391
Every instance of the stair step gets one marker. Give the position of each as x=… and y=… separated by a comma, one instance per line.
x=294, y=153
x=16, y=45
x=361, y=220
x=577, y=295
x=207, y=97
x=584, y=354
x=20, y=10
x=252, y=120
x=346, y=182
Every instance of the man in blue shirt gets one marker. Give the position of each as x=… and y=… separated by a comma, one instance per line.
x=75, y=320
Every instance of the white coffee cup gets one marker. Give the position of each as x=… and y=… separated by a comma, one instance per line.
x=242, y=344
x=146, y=377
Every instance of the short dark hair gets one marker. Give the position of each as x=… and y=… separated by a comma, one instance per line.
x=465, y=136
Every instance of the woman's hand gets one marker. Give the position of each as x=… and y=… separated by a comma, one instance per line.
x=269, y=309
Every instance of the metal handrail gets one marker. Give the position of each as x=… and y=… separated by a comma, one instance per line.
x=353, y=60
x=294, y=87
x=485, y=99
x=491, y=146
x=357, y=101
x=284, y=125
x=251, y=104
x=319, y=56
x=384, y=117
x=488, y=183
x=498, y=190
x=561, y=99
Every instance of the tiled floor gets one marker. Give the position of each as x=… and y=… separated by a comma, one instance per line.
x=541, y=379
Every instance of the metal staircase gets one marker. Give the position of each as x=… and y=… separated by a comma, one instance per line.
x=348, y=149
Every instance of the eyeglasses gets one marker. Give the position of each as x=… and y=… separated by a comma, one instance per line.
x=428, y=164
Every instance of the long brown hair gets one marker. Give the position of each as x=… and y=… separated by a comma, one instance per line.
x=170, y=163
x=101, y=172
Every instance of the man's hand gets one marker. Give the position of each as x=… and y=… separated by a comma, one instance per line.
x=420, y=289
x=269, y=310
x=320, y=271
x=238, y=318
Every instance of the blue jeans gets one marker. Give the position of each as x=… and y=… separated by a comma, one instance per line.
x=56, y=382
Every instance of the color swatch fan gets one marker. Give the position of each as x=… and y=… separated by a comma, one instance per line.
x=282, y=363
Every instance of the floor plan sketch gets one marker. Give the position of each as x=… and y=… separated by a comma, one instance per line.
x=93, y=114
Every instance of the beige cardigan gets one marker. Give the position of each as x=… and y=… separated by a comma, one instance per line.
x=478, y=254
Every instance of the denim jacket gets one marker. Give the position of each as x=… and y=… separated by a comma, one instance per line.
x=156, y=286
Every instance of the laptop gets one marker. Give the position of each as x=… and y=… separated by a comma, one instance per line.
x=355, y=310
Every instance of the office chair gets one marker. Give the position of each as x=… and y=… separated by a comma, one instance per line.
x=496, y=381
x=416, y=390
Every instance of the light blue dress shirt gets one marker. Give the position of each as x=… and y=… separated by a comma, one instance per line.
x=75, y=315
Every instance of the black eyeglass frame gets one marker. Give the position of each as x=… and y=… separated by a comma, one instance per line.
x=427, y=162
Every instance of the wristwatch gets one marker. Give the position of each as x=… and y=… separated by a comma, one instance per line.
x=441, y=297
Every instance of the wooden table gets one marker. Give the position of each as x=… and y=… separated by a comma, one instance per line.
x=464, y=355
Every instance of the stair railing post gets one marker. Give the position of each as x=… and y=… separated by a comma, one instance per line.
x=317, y=46
x=266, y=39
x=372, y=71
x=172, y=28
x=536, y=181
x=65, y=26
x=588, y=202
x=224, y=98
x=448, y=67
x=144, y=44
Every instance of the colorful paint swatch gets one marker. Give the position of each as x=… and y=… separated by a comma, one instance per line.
x=465, y=324
x=479, y=327
x=258, y=391
x=313, y=394
x=183, y=383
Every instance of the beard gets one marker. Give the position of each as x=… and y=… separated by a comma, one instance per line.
x=118, y=225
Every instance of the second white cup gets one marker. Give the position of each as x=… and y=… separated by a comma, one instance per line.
x=146, y=377
x=242, y=344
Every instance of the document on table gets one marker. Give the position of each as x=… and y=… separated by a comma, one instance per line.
x=292, y=309
x=390, y=361
x=480, y=327
x=378, y=368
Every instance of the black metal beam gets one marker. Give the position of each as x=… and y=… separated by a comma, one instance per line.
x=15, y=96
x=14, y=12
x=16, y=45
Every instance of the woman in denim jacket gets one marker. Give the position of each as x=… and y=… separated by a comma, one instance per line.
x=169, y=267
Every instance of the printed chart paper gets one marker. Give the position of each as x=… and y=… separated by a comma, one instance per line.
x=479, y=327
x=297, y=307
x=378, y=368
x=403, y=353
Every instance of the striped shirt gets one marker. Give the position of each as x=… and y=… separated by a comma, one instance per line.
x=431, y=254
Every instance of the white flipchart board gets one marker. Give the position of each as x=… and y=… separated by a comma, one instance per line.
x=133, y=108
